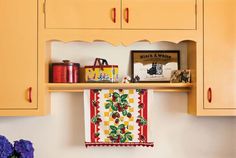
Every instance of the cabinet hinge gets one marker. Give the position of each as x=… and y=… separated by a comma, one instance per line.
x=196, y=8
x=44, y=7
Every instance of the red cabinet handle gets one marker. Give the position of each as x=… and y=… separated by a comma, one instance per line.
x=30, y=95
x=209, y=95
x=114, y=15
x=127, y=15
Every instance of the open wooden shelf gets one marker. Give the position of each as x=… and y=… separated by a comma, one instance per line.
x=158, y=87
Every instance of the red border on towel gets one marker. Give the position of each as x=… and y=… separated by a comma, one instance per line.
x=92, y=114
x=94, y=96
x=145, y=115
x=146, y=144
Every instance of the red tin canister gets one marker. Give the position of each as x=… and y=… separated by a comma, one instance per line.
x=69, y=73
x=59, y=71
x=76, y=67
x=66, y=72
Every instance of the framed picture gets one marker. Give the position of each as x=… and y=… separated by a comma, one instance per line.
x=154, y=65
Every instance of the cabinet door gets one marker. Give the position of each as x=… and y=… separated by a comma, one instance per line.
x=18, y=54
x=220, y=54
x=159, y=14
x=93, y=14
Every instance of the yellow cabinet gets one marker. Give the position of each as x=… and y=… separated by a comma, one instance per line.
x=90, y=14
x=214, y=93
x=120, y=14
x=220, y=54
x=159, y=14
x=19, y=58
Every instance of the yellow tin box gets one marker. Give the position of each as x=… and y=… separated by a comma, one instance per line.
x=101, y=71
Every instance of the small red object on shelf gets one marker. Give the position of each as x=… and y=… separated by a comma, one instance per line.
x=65, y=72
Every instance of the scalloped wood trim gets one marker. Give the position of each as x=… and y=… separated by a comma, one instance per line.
x=121, y=37
x=127, y=43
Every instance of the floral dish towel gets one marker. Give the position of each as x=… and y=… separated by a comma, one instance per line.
x=117, y=117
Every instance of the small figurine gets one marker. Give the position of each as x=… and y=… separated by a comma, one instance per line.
x=180, y=76
x=126, y=79
x=136, y=79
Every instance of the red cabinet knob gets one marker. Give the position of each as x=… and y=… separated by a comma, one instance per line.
x=127, y=15
x=30, y=94
x=209, y=95
x=114, y=15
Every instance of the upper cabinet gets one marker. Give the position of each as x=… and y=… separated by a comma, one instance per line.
x=18, y=54
x=121, y=14
x=220, y=54
x=214, y=90
x=21, y=84
x=89, y=14
x=159, y=14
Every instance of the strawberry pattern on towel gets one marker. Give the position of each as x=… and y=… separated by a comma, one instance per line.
x=116, y=117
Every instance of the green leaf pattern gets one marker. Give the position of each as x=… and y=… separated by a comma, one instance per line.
x=119, y=105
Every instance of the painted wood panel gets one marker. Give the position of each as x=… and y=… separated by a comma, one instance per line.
x=220, y=54
x=90, y=14
x=18, y=54
x=159, y=14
